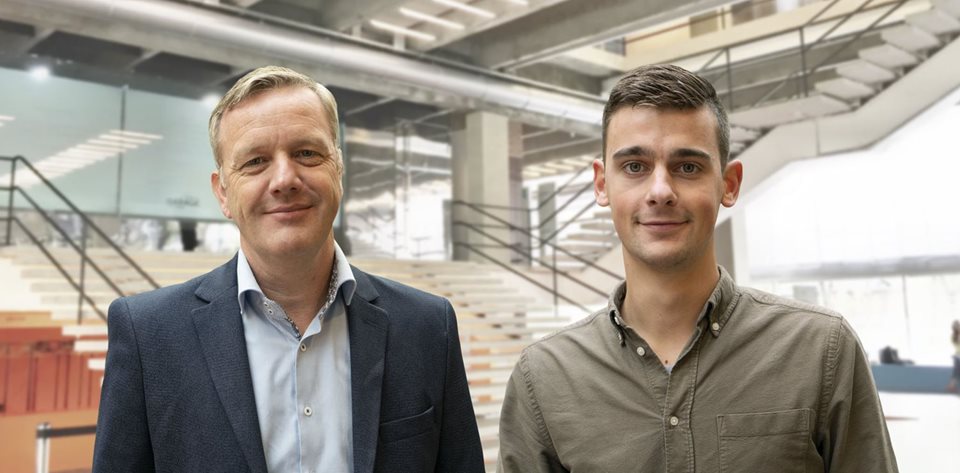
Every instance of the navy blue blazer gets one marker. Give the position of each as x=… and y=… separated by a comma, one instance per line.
x=178, y=397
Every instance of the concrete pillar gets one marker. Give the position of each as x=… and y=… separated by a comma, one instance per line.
x=730, y=243
x=481, y=175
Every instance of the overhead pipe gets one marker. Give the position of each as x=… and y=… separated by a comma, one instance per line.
x=573, y=111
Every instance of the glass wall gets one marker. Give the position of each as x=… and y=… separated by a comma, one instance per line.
x=873, y=234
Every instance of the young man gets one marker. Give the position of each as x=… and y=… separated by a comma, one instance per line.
x=285, y=359
x=684, y=371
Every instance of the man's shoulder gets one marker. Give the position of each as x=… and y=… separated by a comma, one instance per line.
x=584, y=335
x=394, y=290
x=174, y=298
x=762, y=304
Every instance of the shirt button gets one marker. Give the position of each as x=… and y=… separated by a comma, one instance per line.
x=673, y=421
x=307, y=411
x=715, y=326
x=641, y=351
x=303, y=347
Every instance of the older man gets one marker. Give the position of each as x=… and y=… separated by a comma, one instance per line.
x=684, y=370
x=286, y=358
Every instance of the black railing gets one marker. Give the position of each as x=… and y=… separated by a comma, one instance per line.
x=804, y=72
x=87, y=224
x=45, y=433
x=537, y=245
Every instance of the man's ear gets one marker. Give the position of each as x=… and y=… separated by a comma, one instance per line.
x=732, y=178
x=600, y=183
x=220, y=192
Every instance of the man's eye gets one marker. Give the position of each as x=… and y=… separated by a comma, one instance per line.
x=307, y=153
x=634, y=167
x=253, y=162
x=689, y=168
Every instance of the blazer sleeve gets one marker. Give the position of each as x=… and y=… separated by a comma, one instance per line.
x=123, y=438
x=460, y=448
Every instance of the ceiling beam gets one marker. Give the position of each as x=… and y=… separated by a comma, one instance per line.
x=570, y=25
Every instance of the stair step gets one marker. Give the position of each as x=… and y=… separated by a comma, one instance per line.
x=865, y=71
x=85, y=330
x=90, y=346
x=845, y=88
x=606, y=226
x=788, y=111
x=934, y=21
x=910, y=38
x=889, y=56
x=950, y=7
x=743, y=134
x=592, y=236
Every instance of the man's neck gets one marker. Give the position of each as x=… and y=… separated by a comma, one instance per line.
x=663, y=306
x=298, y=283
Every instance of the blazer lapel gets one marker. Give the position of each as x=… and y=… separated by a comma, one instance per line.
x=220, y=328
x=368, y=326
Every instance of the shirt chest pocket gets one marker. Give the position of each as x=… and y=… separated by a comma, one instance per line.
x=775, y=442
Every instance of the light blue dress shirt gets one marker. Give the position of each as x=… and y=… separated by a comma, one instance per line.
x=301, y=384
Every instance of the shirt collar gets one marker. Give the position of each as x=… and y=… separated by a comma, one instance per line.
x=346, y=283
x=718, y=307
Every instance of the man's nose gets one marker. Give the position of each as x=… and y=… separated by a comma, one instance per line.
x=661, y=191
x=284, y=175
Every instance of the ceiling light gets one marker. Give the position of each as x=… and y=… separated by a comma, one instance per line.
x=519, y=2
x=123, y=139
x=211, y=100
x=431, y=19
x=136, y=134
x=401, y=30
x=467, y=8
x=39, y=72
x=6, y=118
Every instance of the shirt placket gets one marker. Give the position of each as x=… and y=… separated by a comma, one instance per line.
x=677, y=409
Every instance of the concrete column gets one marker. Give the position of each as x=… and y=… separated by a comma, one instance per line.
x=481, y=175
x=730, y=242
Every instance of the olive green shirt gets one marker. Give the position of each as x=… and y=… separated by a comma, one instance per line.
x=765, y=384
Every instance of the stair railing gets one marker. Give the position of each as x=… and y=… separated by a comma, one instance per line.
x=80, y=247
x=804, y=72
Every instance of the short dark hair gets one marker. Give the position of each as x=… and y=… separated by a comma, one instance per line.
x=667, y=86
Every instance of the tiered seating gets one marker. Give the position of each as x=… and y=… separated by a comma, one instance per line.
x=498, y=314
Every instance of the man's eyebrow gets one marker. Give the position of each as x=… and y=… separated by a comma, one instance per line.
x=690, y=153
x=632, y=152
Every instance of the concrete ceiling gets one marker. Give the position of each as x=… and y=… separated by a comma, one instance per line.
x=525, y=37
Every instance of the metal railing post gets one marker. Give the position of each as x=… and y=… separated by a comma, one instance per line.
x=729, y=80
x=803, y=63
x=83, y=267
x=556, y=299
x=43, y=448
x=13, y=173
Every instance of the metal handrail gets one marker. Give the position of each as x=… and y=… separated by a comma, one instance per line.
x=803, y=73
x=774, y=34
x=83, y=295
x=858, y=35
x=569, y=222
x=566, y=204
x=45, y=433
x=526, y=232
x=85, y=258
x=564, y=186
x=83, y=216
x=553, y=267
x=521, y=275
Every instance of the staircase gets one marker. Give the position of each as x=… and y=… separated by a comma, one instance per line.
x=902, y=46
x=497, y=315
